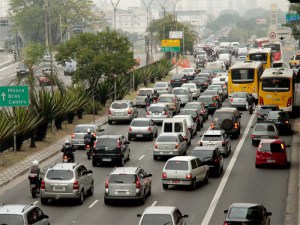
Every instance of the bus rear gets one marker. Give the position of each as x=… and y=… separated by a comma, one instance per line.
x=276, y=49
x=263, y=55
x=260, y=41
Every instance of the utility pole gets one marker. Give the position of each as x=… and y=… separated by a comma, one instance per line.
x=115, y=12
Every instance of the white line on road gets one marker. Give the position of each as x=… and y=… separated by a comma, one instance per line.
x=36, y=202
x=154, y=203
x=94, y=203
x=223, y=182
x=141, y=157
x=4, y=68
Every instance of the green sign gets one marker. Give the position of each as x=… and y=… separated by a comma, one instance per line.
x=170, y=49
x=292, y=17
x=14, y=96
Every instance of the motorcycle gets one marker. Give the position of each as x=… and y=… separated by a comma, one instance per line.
x=250, y=109
x=34, y=184
x=67, y=158
x=88, y=149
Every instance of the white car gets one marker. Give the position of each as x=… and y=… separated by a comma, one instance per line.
x=192, y=125
x=194, y=88
x=162, y=87
x=189, y=71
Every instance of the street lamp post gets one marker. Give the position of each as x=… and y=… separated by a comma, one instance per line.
x=115, y=12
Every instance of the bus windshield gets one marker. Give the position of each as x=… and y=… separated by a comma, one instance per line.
x=259, y=57
x=242, y=75
x=276, y=84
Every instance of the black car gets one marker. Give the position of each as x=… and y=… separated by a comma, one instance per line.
x=263, y=111
x=211, y=156
x=247, y=213
x=111, y=149
x=281, y=120
x=196, y=117
x=202, y=81
x=22, y=70
x=177, y=80
x=210, y=102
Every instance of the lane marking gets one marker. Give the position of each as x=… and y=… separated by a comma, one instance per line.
x=4, y=68
x=36, y=202
x=154, y=203
x=94, y=203
x=142, y=157
x=223, y=182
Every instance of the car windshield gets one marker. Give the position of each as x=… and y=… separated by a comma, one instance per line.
x=264, y=127
x=202, y=154
x=187, y=70
x=157, y=219
x=200, y=79
x=83, y=129
x=165, y=99
x=214, y=87
x=140, y=123
x=210, y=92
x=166, y=139
x=251, y=213
x=59, y=174
x=271, y=147
x=122, y=178
x=180, y=91
x=160, y=85
x=106, y=142
x=144, y=92
x=239, y=95
x=206, y=100
x=276, y=84
x=221, y=115
x=119, y=105
x=208, y=137
x=177, y=165
x=156, y=109
x=14, y=219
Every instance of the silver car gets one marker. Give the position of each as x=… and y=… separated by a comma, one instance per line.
x=216, y=137
x=192, y=125
x=158, y=112
x=141, y=96
x=184, y=94
x=79, y=132
x=239, y=100
x=122, y=110
x=171, y=100
x=169, y=144
x=67, y=181
x=267, y=130
x=218, y=88
x=195, y=89
x=163, y=87
x=142, y=128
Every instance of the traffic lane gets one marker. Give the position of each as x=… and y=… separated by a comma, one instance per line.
x=8, y=74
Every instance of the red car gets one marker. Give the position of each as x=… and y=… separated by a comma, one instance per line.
x=271, y=152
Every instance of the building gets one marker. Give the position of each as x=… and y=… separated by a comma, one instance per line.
x=197, y=18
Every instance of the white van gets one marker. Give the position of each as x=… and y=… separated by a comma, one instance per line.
x=177, y=125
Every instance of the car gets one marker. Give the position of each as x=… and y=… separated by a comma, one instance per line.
x=141, y=96
x=210, y=155
x=239, y=100
x=22, y=70
x=195, y=89
x=202, y=82
x=215, y=93
x=67, y=181
x=47, y=67
x=111, y=149
x=142, y=128
x=171, y=100
x=168, y=215
x=122, y=110
x=227, y=119
x=247, y=213
x=177, y=80
x=263, y=131
x=200, y=107
x=218, y=138
x=223, y=84
x=192, y=125
x=169, y=144
x=208, y=75
x=263, y=110
x=159, y=111
x=189, y=72
x=295, y=60
x=80, y=130
x=163, y=87
x=127, y=183
x=200, y=60
x=70, y=67
x=219, y=88
x=196, y=117
x=184, y=171
x=282, y=121
x=21, y=214
x=215, y=67
x=210, y=102
x=184, y=94
x=179, y=126
x=226, y=58
x=47, y=57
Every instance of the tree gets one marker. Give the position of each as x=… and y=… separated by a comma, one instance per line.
x=294, y=25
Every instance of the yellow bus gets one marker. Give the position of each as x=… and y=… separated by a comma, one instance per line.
x=277, y=88
x=244, y=76
x=261, y=54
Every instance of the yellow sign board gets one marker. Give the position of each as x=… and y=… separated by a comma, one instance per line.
x=170, y=43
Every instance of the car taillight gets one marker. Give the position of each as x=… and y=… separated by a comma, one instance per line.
x=252, y=136
x=76, y=185
x=87, y=146
x=205, y=83
x=172, y=80
x=118, y=144
x=200, y=143
x=95, y=134
x=212, y=125
x=235, y=126
x=130, y=128
x=177, y=146
x=174, y=100
x=95, y=143
x=73, y=135
x=286, y=122
x=106, y=183
x=138, y=183
x=148, y=113
x=166, y=113
x=231, y=99
x=65, y=157
x=223, y=143
x=109, y=111
x=188, y=176
x=213, y=104
x=155, y=146
x=261, y=101
x=129, y=111
x=225, y=223
x=149, y=129
x=197, y=119
x=164, y=175
x=42, y=184
x=216, y=160
x=276, y=137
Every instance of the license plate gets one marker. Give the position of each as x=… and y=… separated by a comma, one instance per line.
x=32, y=185
x=139, y=135
x=106, y=160
x=176, y=181
x=58, y=188
x=265, y=137
x=119, y=113
x=270, y=160
x=65, y=160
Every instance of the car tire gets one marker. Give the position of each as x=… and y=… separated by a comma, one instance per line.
x=44, y=201
x=149, y=192
x=106, y=201
x=94, y=163
x=253, y=143
x=155, y=157
x=128, y=157
x=165, y=186
x=143, y=199
x=156, y=134
x=122, y=162
x=193, y=184
x=91, y=190
x=198, y=127
x=80, y=200
x=206, y=178
x=151, y=137
x=110, y=122
x=129, y=138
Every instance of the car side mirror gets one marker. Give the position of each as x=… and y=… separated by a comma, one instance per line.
x=139, y=215
x=101, y=130
x=44, y=217
x=226, y=211
x=269, y=214
x=252, y=126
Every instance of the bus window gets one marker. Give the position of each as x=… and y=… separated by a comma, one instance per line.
x=242, y=75
x=259, y=57
x=278, y=84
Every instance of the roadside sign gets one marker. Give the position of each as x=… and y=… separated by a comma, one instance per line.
x=292, y=17
x=272, y=35
x=175, y=34
x=170, y=49
x=14, y=96
x=170, y=43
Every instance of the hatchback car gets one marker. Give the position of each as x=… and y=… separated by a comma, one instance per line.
x=22, y=70
x=169, y=144
x=211, y=156
x=79, y=132
x=215, y=93
x=163, y=87
x=202, y=82
x=23, y=215
x=263, y=111
x=177, y=80
x=263, y=131
x=239, y=100
x=198, y=119
x=142, y=128
x=271, y=152
x=122, y=110
x=141, y=96
x=247, y=213
x=171, y=100
x=184, y=170
x=70, y=67
x=67, y=181
x=184, y=94
x=127, y=183
x=200, y=107
x=168, y=215
x=111, y=149
x=282, y=121
x=210, y=102
x=159, y=111
x=189, y=72
x=195, y=89
x=217, y=137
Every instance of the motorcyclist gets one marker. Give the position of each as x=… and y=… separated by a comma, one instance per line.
x=36, y=170
x=155, y=95
x=68, y=149
x=89, y=138
x=251, y=100
x=148, y=100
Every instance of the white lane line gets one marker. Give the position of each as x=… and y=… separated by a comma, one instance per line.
x=154, y=203
x=36, y=202
x=223, y=182
x=94, y=203
x=4, y=68
x=141, y=157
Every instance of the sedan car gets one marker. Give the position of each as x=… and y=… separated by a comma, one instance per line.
x=247, y=213
x=200, y=107
x=80, y=130
x=226, y=58
x=264, y=131
x=169, y=144
x=219, y=88
x=271, y=152
x=158, y=112
x=22, y=70
x=215, y=94
x=196, y=117
x=184, y=94
x=263, y=111
x=239, y=100
x=202, y=82
x=177, y=80
x=189, y=72
x=141, y=96
x=195, y=89
x=122, y=110
x=163, y=87
x=142, y=128
x=282, y=121
x=210, y=102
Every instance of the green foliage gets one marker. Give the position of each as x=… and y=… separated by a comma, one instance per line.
x=224, y=20
x=88, y=108
x=294, y=25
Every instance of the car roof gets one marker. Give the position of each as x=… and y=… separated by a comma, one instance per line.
x=207, y=148
x=271, y=141
x=87, y=125
x=14, y=209
x=146, y=89
x=169, y=134
x=229, y=109
x=63, y=166
x=125, y=170
x=213, y=132
x=182, y=158
x=111, y=136
x=244, y=205
x=120, y=101
x=142, y=119
x=167, y=95
x=182, y=116
x=193, y=103
x=159, y=210
x=162, y=104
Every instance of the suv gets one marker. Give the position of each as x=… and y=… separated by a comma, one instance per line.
x=228, y=119
x=111, y=149
x=80, y=130
x=127, y=183
x=121, y=110
x=216, y=137
x=23, y=214
x=184, y=170
x=67, y=180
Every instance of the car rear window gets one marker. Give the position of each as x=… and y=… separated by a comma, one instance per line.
x=271, y=147
x=205, y=100
x=168, y=127
x=11, y=219
x=191, y=106
x=180, y=91
x=189, y=85
x=239, y=95
x=122, y=178
x=60, y=175
x=208, y=137
x=177, y=165
x=213, y=87
x=119, y=105
x=200, y=79
x=151, y=219
x=189, y=112
x=106, y=142
x=160, y=85
x=166, y=139
x=139, y=123
x=263, y=127
x=166, y=99
x=156, y=109
x=144, y=92
x=251, y=213
x=203, y=154
x=277, y=115
x=221, y=115
x=83, y=129
x=211, y=92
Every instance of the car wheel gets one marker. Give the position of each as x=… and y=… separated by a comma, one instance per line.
x=106, y=201
x=195, y=133
x=206, y=178
x=193, y=185
x=149, y=192
x=151, y=137
x=156, y=134
x=122, y=162
x=110, y=122
x=44, y=201
x=165, y=186
x=198, y=127
x=129, y=138
x=128, y=157
x=94, y=163
x=190, y=142
x=91, y=190
x=253, y=143
x=81, y=198
x=143, y=199
x=155, y=157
